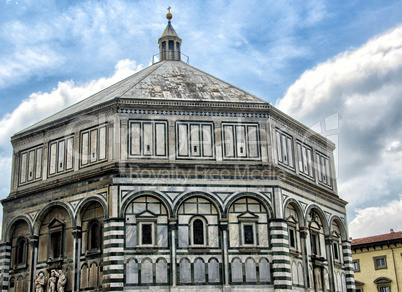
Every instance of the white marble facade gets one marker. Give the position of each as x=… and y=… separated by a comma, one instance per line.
x=174, y=180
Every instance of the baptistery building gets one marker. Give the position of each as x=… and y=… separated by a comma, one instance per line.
x=173, y=180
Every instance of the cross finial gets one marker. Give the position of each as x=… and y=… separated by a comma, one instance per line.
x=169, y=15
x=169, y=8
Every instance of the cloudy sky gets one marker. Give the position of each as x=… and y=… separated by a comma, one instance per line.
x=334, y=65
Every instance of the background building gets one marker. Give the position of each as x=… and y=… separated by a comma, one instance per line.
x=173, y=179
x=377, y=262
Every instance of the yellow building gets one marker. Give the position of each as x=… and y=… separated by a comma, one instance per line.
x=377, y=262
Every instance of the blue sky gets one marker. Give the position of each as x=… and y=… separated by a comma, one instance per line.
x=334, y=65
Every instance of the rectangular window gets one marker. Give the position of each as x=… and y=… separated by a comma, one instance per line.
x=356, y=265
x=56, y=244
x=323, y=169
x=305, y=159
x=30, y=165
x=284, y=148
x=292, y=238
x=61, y=155
x=315, y=244
x=248, y=234
x=93, y=145
x=146, y=230
x=147, y=139
x=380, y=262
x=240, y=141
x=336, y=251
x=195, y=140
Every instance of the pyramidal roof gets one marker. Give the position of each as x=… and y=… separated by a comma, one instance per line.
x=165, y=80
x=169, y=31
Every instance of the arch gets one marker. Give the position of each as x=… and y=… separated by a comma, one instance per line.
x=84, y=203
x=213, y=270
x=295, y=276
x=256, y=196
x=264, y=270
x=204, y=195
x=341, y=226
x=297, y=208
x=237, y=272
x=198, y=230
x=46, y=209
x=135, y=195
x=199, y=270
x=9, y=230
x=382, y=280
x=185, y=270
x=146, y=268
x=320, y=214
x=161, y=270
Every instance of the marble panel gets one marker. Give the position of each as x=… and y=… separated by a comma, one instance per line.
x=213, y=236
x=300, y=274
x=132, y=272
x=204, y=208
x=252, y=141
x=199, y=271
x=146, y=272
x=139, y=207
x=53, y=158
x=241, y=141
x=135, y=139
x=131, y=235
x=183, y=236
x=251, y=271
x=84, y=277
x=162, y=236
x=237, y=271
x=190, y=208
x=256, y=208
x=234, y=235
x=38, y=172
x=229, y=141
x=265, y=271
x=60, y=164
x=295, y=278
x=93, y=275
x=182, y=140
x=154, y=208
x=94, y=145
x=207, y=140
x=84, y=148
x=263, y=235
x=185, y=271
x=70, y=152
x=160, y=139
x=147, y=139
x=102, y=143
x=31, y=165
x=161, y=272
x=213, y=271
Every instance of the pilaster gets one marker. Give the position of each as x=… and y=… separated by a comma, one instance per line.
x=77, y=233
x=5, y=259
x=348, y=263
x=113, y=255
x=280, y=255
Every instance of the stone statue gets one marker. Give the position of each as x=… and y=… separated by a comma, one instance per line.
x=52, y=281
x=61, y=283
x=40, y=281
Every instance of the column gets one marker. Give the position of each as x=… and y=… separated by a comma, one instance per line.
x=348, y=263
x=77, y=233
x=225, y=253
x=280, y=255
x=303, y=246
x=5, y=260
x=33, y=242
x=173, y=265
x=113, y=255
x=330, y=258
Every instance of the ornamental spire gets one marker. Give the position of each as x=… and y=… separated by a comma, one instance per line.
x=169, y=42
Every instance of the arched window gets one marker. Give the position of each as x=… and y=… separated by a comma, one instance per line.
x=198, y=231
x=94, y=235
x=21, y=251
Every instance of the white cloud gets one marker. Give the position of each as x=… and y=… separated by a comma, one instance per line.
x=363, y=86
x=41, y=105
x=378, y=219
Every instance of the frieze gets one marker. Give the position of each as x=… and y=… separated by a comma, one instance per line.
x=191, y=113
